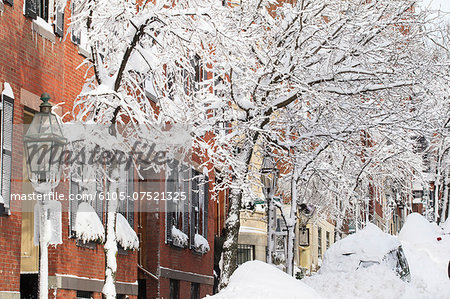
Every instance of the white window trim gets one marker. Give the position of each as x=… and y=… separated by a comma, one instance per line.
x=42, y=27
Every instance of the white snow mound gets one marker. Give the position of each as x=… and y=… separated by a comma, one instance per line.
x=417, y=230
x=125, y=234
x=368, y=244
x=427, y=257
x=179, y=238
x=201, y=244
x=446, y=226
x=258, y=280
x=88, y=226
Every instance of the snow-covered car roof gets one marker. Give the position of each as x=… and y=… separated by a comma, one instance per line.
x=368, y=245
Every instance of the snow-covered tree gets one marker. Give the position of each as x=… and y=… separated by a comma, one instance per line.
x=334, y=88
x=437, y=135
x=346, y=75
x=136, y=48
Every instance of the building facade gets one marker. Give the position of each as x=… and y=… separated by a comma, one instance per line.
x=40, y=53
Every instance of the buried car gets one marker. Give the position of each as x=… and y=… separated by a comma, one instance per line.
x=365, y=248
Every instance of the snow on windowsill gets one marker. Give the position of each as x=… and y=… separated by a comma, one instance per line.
x=88, y=225
x=125, y=234
x=201, y=244
x=7, y=90
x=179, y=238
x=43, y=28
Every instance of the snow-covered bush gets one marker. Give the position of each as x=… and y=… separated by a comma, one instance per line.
x=88, y=225
x=201, y=244
x=180, y=239
x=125, y=234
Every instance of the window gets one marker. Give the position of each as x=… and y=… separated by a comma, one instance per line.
x=199, y=205
x=10, y=2
x=319, y=242
x=84, y=295
x=6, y=124
x=245, y=253
x=177, y=201
x=46, y=10
x=83, y=190
x=174, y=289
x=327, y=234
x=195, y=290
x=303, y=239
x=125, y=193
x=79, y=32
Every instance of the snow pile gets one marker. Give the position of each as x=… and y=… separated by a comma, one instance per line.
x=88, y=226
x=179, y=238
x=125, y=234
x=376, y=281
x=256, y=279
x=428, y=258
x=201, y=244
x=446, y=226
x=417, y=230
x=368, y=244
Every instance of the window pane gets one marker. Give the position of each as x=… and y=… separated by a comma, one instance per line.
x=245, y=253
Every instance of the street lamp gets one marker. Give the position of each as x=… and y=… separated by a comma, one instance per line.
x=269, y=177
x=44, y=144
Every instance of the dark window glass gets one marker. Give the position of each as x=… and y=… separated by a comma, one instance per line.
x=245, y=253
x=84, y=295
x=195, y=290
x=174, y=289
x=319, y=242
x=328, y=239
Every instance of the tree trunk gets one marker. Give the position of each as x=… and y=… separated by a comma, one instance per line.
x=444, y=197
x=232, y=224
x=110, y=248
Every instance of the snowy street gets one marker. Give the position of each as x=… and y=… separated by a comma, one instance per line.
x=427, y=251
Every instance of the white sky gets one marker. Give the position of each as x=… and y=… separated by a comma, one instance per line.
x=443, y=5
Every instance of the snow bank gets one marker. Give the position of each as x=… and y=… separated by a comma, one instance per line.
x=368, y=244
x=256, y=279
x=125, y=234
x=446, y=226
x=417, y=230
x=88, y=226
x=179, y=238
x=427, y=257
x=201, y=244
x=376, y=281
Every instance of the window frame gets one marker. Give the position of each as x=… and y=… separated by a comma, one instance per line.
x=249, y=253
x=319, y=242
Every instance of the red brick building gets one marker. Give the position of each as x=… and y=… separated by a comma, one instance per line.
x=38, y=57
x=40, y=54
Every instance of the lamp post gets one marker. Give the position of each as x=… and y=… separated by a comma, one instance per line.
x=269, y=177
x=44, y=143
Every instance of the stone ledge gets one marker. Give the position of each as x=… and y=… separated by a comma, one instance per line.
x=9, y=295
x=42, y=31
x=88, y=285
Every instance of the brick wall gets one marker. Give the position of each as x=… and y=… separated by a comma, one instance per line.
x=32, y=64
